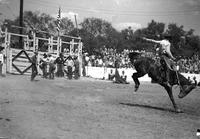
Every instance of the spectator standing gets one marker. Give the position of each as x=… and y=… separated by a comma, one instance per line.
x=70, y=65
x=76, y=68
x=60, y=65
x=83, y=65
x=43, y=65
x=2, y=36
x=34, y=65
x=52, y=66
x=1, y=62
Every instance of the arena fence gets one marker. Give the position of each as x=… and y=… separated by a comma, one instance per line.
x=18, y=60
x=102, y=73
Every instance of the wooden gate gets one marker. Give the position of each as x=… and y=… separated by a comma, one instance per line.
x=21, y=61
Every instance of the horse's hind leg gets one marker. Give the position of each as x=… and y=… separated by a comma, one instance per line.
x=169, y=91
x=135, y=77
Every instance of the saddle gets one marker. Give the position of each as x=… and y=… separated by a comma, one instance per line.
x=168, y=62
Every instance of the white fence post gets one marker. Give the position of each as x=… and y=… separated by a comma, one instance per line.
x=80, y=57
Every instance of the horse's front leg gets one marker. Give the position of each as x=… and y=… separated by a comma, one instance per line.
x=135, y=77
x=137, y=82
x=169, y=91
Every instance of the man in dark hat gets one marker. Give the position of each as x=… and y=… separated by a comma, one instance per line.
x=34, y=65
x=52, y=67
x=60, y=65
x=43, y=65
x=76, y=67
x=70, y=65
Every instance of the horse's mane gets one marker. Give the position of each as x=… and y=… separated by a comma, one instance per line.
x=183, y=80
x=136, y=56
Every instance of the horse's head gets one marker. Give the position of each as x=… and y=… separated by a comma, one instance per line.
x=186, y=86
x=186, y=89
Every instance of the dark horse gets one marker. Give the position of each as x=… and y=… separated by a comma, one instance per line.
x=146, y=65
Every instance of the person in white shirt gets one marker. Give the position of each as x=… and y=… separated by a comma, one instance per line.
x=43, y=65
x=1, y=62
x=52, y=67
x=111, y=75
x=123, y=76
x=165, y=46
x=70, y=66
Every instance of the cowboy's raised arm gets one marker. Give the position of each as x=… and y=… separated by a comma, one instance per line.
x=151, y=40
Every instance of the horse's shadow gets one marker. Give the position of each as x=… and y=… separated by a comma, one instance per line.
x=147, y=106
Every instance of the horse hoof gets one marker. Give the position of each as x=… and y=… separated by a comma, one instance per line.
x=179, y=111
x=136, y=89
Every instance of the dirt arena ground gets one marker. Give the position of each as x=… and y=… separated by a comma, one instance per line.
x=93, y=109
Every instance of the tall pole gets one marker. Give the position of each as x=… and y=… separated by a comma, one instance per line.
x=21, y=21
x=76, y=25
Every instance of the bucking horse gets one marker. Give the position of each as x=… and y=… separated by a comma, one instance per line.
x=146, y=65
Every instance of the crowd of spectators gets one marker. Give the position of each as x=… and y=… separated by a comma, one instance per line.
x=65, y=64
x=190, y=65
x=108, y=56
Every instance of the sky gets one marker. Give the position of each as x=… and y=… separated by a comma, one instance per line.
x=121, y=13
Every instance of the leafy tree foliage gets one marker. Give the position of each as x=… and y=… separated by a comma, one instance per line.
x=97, y=33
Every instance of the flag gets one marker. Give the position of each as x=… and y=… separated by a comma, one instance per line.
x=58, y=20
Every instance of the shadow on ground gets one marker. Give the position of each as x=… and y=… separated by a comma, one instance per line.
x=147, y=106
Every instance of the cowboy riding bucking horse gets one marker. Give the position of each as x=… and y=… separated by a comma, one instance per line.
x=163, y=72
x=166, y=57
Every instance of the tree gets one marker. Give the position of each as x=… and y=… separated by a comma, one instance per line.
x=155, y=29
x=100, y=31
x=66, y=26
x=176, y=32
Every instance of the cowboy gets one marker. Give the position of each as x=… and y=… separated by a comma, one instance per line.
x=70, y=65
x=165, y=46
x=52, y=68
x=43, y=65
x=166, y=55
x=76, y=67
x=60, y=65
x=34, y=65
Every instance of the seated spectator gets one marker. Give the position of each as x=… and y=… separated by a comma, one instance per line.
x=123, y=76
x=100, y=62
x=189, y=79
x=118, y=79
x=89, y=63
x=111, y=75
x=195, y=81
x=198, y=83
